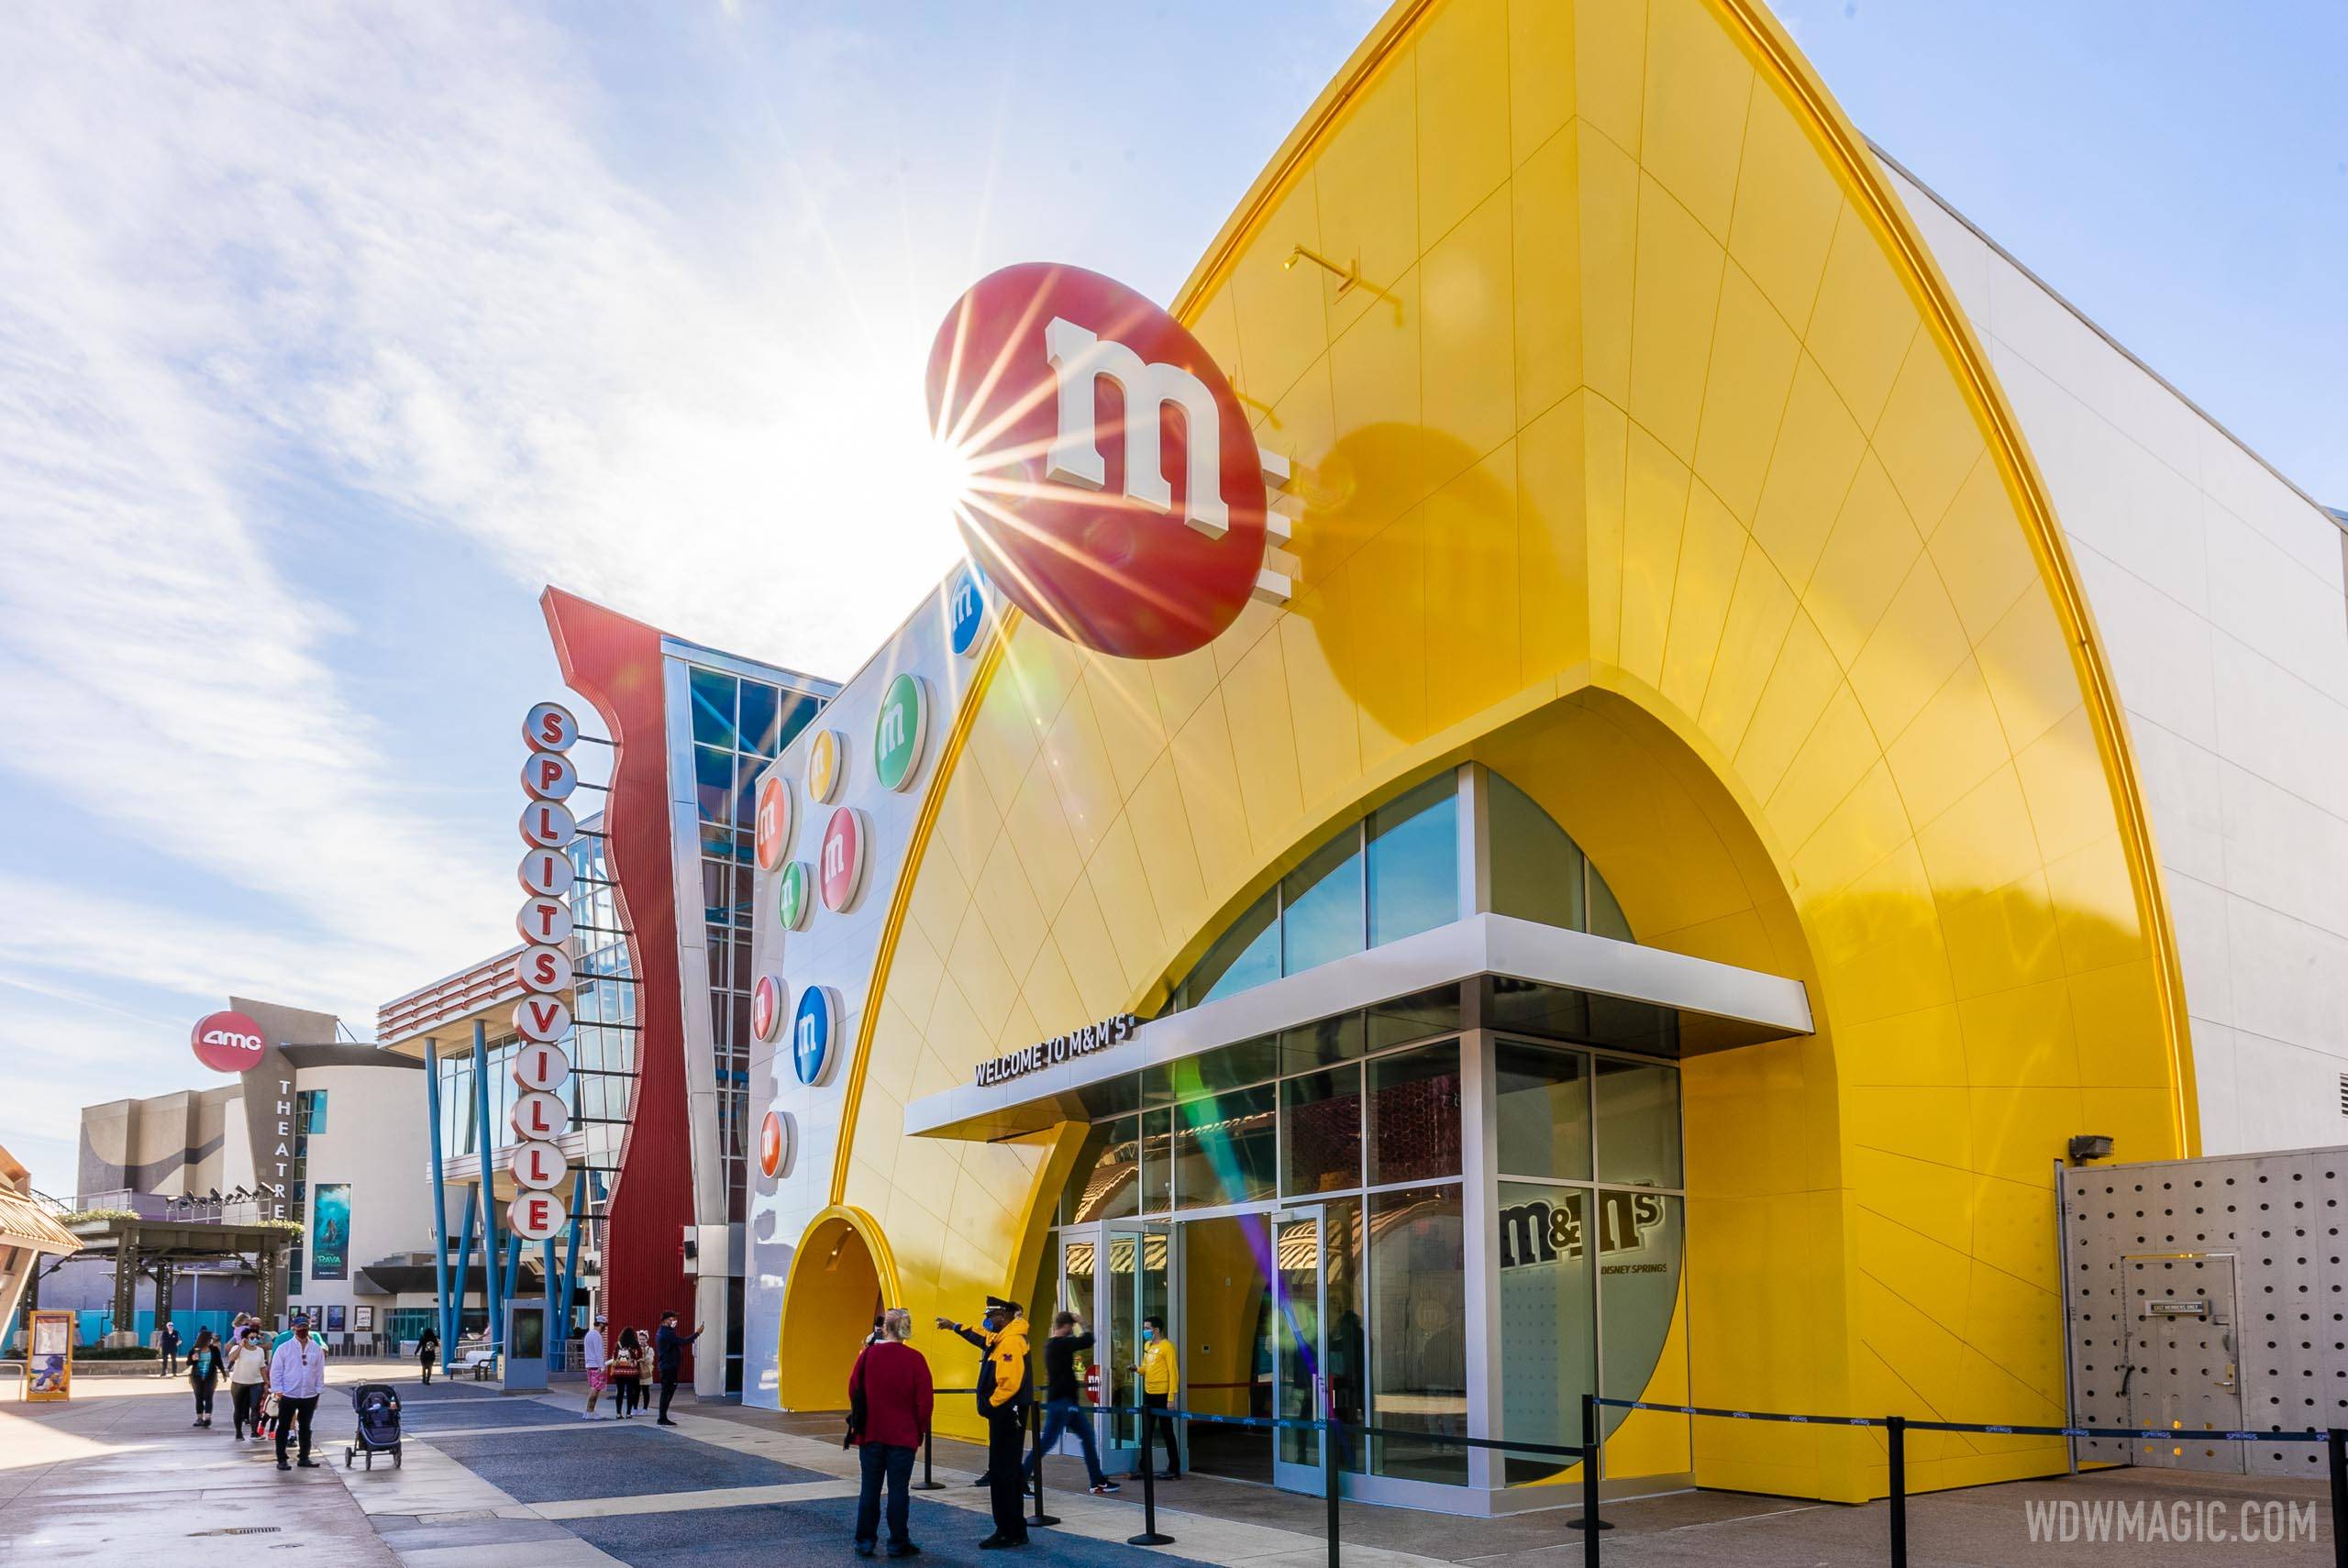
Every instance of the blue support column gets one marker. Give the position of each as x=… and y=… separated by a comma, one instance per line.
x=441, y=1310
x=488, y=1145
x=570, y=1254
x=464, y=1266
x=557, y=1320
x=512, y=1268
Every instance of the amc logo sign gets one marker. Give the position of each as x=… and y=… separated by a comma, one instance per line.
x=228, y=1043
x=1115, y=491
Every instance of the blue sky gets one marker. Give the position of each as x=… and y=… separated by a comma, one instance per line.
x=327, y=337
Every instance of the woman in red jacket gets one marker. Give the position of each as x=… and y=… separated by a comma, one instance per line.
x=888, y=1400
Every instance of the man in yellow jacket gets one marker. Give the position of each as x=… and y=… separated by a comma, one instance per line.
x=1161, y=1379
x=1006, y=1387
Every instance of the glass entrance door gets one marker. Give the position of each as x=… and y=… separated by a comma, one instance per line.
x=1135, y=1282
x=1301, y=1389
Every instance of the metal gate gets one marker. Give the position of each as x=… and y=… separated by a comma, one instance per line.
x=2208, y=1293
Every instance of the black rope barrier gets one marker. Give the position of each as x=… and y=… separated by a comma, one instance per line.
x=1992, y=1428
x=1897, y=1428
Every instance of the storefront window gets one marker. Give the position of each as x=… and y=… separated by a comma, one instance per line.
x=1406, y=1019
x=1537, y=869
x=1548, y=1334
x=1321, y=909
x=1415, y=861
x=1308, y=1046
x=1382, y=877
x=1418, y=1334
x=1640, y=1236
x=1413, y=1123
x=1543, y=1106
x=1320, y=1133
x=1246, y=956
x=1638, y=1121
x=1225, y=1148
x=1156, y=1162
x=1106, y=1183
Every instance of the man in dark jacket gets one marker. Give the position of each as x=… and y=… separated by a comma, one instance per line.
x=669, y=1359
x=1005, y=1390
x=1063, y=1403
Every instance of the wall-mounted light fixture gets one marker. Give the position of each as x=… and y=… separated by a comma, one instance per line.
x=1348, y=276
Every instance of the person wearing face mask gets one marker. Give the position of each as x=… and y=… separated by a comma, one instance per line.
x=1005, y=1390
x=1159, y=1378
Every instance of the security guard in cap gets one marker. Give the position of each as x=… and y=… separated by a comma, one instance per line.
x=1006, y=1389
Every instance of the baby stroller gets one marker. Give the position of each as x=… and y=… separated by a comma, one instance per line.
x=379, y=1424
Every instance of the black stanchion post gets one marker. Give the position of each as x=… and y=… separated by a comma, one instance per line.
x=929, y=1481
x=1148, y=1536
x=1589, y=1524
x=2335, y=1442
x=1898, y=1426
x=1331, y=1491
x=1039, y=1518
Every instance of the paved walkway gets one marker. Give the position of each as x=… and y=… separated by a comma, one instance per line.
x=497, y=1482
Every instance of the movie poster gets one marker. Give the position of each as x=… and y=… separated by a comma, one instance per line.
x=330, y=1230
x=48, y=1362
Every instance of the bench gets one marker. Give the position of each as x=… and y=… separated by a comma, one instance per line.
x=479, y=1363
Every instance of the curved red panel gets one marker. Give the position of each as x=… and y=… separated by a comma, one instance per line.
x=615, y=662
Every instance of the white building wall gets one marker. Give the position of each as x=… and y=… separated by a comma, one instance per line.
x=376, y=1140
x=839, y=951
x=2218, y=591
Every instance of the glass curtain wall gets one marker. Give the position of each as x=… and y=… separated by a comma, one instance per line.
x=1395, y=873
x=1590, y=1220
x=738, y=726
x=1363, y=1113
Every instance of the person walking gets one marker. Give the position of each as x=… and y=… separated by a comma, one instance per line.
x=1005, y=1390
x=626, y=1367
x=1062, y=1408
x=592, y=1356
x=890, y=1398
x=298, y=1375
x=1160, y=1377
x=171, y=1342
x=248, y=1380
x=204, y=1373
x=428, y=1351
x=669, y=1359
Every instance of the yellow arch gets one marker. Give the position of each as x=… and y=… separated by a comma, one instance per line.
x=818, y=1345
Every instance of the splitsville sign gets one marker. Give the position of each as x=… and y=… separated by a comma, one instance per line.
x=1060, y=1048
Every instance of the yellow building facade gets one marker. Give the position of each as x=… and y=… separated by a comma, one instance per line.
x=1651, y=467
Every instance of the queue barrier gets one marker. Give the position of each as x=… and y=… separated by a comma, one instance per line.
x=1897, y=1428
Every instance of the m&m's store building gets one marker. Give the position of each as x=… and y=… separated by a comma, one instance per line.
x=1572, y=773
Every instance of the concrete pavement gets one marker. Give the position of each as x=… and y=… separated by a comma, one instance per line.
x=506, y=1482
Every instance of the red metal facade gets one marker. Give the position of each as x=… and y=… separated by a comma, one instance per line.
x=616, y=663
